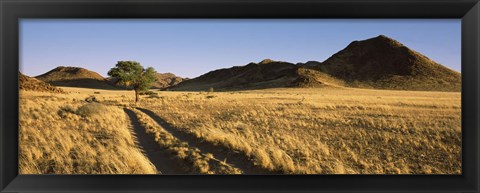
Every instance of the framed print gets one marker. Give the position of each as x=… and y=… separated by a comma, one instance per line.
x=243, y=96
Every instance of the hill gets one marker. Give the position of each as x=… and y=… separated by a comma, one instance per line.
x=384, y=63
x=33, y=84
x=167, y=79
x=379, y=62
x=75, y=77
x=265, y=74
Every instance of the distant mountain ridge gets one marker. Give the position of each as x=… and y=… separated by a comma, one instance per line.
x=69, y=73
x=165, y=80
x=80, y=77
x=379, y=62
x=267, y=73
x=75, y=77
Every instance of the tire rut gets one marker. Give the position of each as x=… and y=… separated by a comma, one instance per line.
x=234, y=158
x=159, y=157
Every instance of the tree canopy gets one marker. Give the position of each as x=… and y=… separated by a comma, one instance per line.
x=132, y=75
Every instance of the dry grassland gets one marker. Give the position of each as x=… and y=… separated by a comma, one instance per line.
x=62, y=134
x=301, y=131
x=326, y=131
x=192, y=159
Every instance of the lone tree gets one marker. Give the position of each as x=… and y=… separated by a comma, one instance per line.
x=132, y=75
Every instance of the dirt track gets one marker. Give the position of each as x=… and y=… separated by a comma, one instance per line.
x=234, y=158
x=157, y=155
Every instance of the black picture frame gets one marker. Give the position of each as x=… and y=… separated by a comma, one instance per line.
x=13, y=10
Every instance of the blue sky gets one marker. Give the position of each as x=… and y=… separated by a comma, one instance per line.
x=190, y=48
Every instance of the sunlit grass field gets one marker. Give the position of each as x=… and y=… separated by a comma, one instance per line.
x=60, y=134
x=286, y=131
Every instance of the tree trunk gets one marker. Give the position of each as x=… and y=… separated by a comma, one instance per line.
x=136, y=96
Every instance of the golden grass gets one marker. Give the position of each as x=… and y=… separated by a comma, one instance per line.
x=326, y=131
x=292, y=131
x=61, y=134
x=195, y=161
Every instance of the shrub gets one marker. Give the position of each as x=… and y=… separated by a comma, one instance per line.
x=154, y=96
x=65, y=110
x=91, y=99
x=150, y=93
x=91, y=109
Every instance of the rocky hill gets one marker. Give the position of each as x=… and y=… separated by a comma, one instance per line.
x=33, y=84
x=384, y=63
x=265, y=74
x=81, y=77
x=75, y=77
x=167, y=79
x=379, y=62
